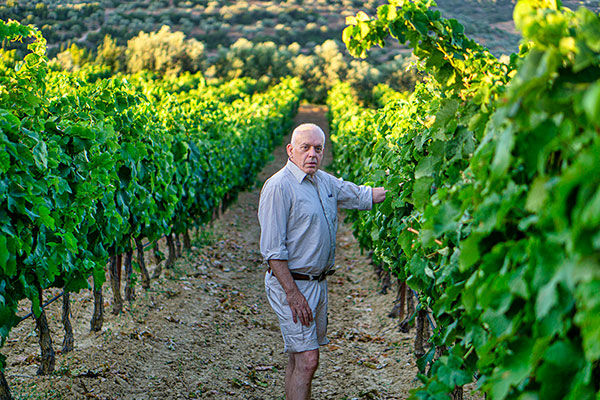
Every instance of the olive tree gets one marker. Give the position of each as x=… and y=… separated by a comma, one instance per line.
x=165, y=52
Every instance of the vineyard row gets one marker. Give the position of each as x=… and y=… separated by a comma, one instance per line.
x=493, y=213
x=90, y=166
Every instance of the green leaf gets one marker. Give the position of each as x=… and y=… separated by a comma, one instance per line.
x=469, y=252
x=512, y=371
x=590, y=214
x=44, y=213
x=387, y=12
x=70, y=242
x=536, y=198
x=502, y=155
x=446, y=114
x=347, y=34
x=4, y=161
x=564, y=355
x=498, y=323
x=546, y=299
x=4, y=255
x=591, y=101
x=451, y=372
x=425, y=167
x=421, y=192
x=40, y=155
x=588, y=317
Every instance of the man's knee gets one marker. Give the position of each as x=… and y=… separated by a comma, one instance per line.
x=307, y=362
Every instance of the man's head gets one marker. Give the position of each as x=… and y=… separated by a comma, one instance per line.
x=306, y=147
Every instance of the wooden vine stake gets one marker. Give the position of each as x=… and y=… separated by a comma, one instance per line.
x=142, y=263
x=129, y=284
x=399, y=309
x=4, y=389
x=157, y=260
x=457, y=394
x=115, y=281
x=177, y=245
x=410, y=310
x=68, y=341
x=172, y=251
x=421, y=337
x=386, y=281
x=98, y=317
x=47, y=352
x=187, y=241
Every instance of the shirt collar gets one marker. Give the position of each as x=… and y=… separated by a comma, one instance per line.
x=296, y=171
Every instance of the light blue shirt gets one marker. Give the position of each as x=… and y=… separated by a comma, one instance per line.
x=298, y=216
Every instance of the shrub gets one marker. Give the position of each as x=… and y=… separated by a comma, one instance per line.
x=165, y=52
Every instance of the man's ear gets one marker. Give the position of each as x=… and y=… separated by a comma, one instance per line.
x=289, y=150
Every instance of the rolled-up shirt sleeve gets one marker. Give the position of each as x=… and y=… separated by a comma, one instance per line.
x=273, y=212
x=353, y=196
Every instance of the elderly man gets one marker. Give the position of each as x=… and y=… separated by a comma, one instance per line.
x=298, y=220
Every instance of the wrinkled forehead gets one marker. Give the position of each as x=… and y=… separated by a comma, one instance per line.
x=310, y=136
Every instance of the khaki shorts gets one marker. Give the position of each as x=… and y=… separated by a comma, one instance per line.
x=297, y=337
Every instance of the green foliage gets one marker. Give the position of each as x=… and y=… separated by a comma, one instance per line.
x=90, y=163
x=111, y=55
x=165, y=52
x=73, y=58
x=492, y=209
x=318, y=69
x=253, y=60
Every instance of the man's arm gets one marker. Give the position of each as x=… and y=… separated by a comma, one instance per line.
x=298, y=304
x=358, y=197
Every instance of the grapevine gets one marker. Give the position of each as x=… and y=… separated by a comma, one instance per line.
x=493, y=214
x=92, y=165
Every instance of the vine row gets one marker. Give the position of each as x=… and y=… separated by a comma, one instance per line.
x=493, y=212
x=92, y=164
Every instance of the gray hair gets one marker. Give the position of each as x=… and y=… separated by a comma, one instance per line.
x=306, y=127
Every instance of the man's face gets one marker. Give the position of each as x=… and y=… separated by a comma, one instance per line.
x=307, y=152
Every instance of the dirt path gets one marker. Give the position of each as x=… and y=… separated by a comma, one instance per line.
x=205, y=329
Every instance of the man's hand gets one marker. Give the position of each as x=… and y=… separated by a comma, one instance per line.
x=298, y=304
x=300, y=308
x=379, y=194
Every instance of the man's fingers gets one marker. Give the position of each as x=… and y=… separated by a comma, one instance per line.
x=309, y=316
x=304, y=314
x=300, y=310
x=304, y=317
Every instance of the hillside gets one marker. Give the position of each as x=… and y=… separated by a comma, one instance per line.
x=222, y=23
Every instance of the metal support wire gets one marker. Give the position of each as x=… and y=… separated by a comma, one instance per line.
x=46, y=304
x=431, y=324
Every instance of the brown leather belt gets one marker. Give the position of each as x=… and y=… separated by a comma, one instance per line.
x=305, y=277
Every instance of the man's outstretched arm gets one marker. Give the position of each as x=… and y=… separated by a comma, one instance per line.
x=358, y=197
x=298, y=304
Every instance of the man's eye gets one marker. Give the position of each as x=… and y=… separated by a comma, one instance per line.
x=318, y=149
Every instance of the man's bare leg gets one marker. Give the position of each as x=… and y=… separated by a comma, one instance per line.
x=289, y=372
x=299, y=373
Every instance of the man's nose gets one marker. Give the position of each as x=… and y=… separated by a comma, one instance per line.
x=312, y=152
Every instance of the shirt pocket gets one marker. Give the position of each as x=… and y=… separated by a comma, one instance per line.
x=331, y=206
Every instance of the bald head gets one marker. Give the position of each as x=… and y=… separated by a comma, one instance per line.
x=306, y=128
x=306, y=147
